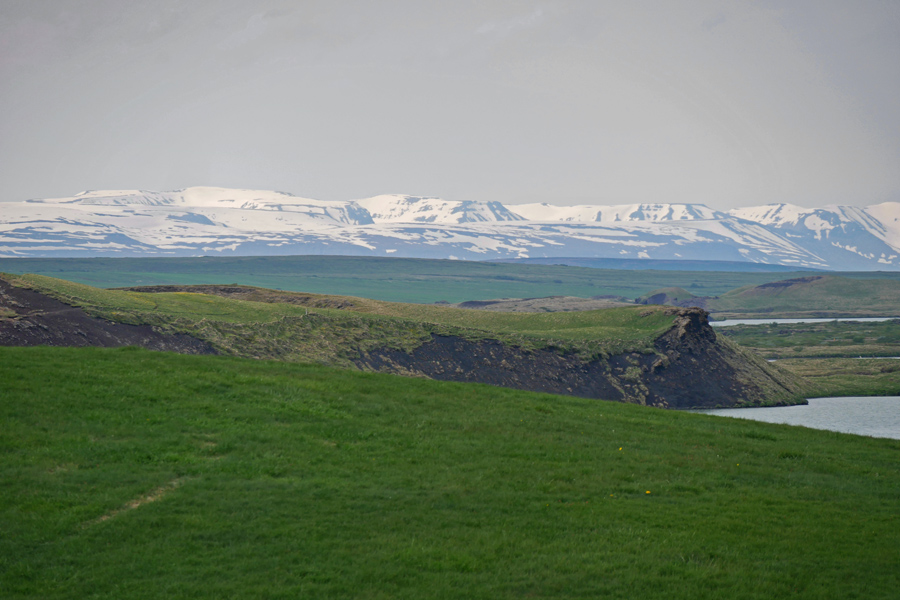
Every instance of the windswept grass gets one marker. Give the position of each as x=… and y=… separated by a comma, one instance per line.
x=132, y=474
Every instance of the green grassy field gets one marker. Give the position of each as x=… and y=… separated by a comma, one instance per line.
x=132, y=474
x=394, y=279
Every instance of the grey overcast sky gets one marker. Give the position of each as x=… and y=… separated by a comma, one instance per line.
x=727, y=103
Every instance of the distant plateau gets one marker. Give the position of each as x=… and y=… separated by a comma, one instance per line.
x=209, y=221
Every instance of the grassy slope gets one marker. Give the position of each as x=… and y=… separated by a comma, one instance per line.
x=836, y=296
x=275, y=480
x=327, y=335
x=393, y=279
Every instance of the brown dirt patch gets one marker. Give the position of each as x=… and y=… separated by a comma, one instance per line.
x=138, y=502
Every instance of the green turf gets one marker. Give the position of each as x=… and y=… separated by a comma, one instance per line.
x=132, y=474
x=393, y=279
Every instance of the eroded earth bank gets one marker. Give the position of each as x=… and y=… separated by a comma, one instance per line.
x=688, y=366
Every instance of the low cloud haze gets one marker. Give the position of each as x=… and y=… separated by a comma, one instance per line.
x=568, y=102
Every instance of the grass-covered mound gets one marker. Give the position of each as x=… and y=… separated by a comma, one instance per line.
x=133, y=474
x=811, y=296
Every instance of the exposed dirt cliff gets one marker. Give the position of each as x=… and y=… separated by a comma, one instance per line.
x=690, y=368
x=29, y=318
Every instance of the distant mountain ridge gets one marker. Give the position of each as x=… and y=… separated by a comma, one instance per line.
x=395, y=208
x=221, y=221
x=617, y=213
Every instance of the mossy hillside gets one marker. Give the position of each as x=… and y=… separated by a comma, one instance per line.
x=308, y=331
x=133, y=474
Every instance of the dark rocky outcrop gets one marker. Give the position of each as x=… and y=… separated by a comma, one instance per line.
x=29, y=318
x=690, y=368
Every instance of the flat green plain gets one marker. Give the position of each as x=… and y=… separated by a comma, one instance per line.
x=395, y=279
x=133, y=474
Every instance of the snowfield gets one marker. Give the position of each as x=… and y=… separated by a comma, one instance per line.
x=221, y=221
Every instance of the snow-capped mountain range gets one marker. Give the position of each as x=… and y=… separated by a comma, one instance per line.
x=218, y=221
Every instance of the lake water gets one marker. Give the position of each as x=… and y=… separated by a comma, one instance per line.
x=731, y=322
x=877, y=416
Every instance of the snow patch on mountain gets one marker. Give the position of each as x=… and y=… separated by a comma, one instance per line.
x=620, y=213
x=398, y=208
x=771, y=214
x=880, y=222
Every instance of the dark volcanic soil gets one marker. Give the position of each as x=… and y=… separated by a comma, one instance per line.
x=42, y=321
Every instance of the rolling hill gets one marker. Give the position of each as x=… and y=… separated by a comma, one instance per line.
x=813, y=296
x=647, y=355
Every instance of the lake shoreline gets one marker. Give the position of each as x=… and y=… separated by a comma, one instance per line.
x=787, y=321
x=871, y=416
